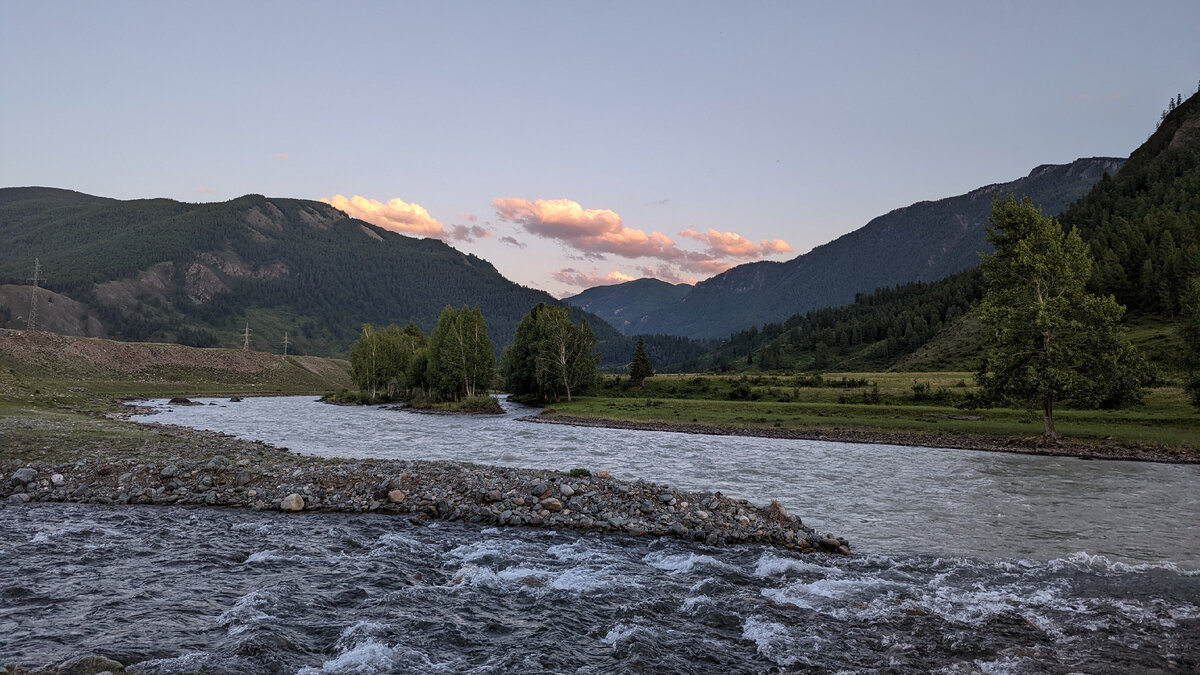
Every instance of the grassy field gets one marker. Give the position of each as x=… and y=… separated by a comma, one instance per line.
x=919, y=403
x=53, y=387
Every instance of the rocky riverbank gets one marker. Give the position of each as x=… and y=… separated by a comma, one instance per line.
x=200, y=468
x=1028, y=446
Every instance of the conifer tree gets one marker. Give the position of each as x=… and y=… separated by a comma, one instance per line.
x=640, y=367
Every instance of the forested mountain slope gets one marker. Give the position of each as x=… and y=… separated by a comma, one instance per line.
x=1143, y=226
x=163, y=270
x=623, y=305
x=922, y=242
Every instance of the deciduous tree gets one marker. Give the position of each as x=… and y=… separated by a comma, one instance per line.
x=1053, y=341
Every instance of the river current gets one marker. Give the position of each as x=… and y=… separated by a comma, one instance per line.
x=964, y=562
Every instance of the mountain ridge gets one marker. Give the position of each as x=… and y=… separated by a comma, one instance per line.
x=924, y=241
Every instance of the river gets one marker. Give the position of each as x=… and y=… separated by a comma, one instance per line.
x=964, y=562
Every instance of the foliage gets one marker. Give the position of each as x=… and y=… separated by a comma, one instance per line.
x=461, y=359
x=1143, y=224
x=550, y=356
x=579, y=473
x=380, y=360
x=1054, y=341
x=1189, y=331
x=640, y=367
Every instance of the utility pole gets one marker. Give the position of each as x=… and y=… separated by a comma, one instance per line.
x=33, y=293
x=246, y=338
x=286, y=342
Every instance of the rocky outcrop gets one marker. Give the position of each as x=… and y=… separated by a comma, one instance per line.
x=218, y=470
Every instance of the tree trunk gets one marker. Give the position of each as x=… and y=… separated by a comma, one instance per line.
x=1048, y=418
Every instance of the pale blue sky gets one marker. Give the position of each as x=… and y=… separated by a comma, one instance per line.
x=774, y=120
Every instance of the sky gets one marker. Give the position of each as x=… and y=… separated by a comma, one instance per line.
x=581, y=143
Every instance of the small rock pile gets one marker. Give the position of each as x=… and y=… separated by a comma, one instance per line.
x=253, y=475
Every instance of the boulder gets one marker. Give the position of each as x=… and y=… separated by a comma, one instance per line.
x=396, y=496
x=292, y=502
x=551, y=504
x=24, y=476
x=89, y=664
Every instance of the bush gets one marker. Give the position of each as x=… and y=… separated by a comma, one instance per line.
x=579, y=473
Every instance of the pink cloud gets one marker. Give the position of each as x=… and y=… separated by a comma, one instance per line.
x=574, y=277
x=404, y=217
x=733, y=245
x=593, y=233
x=588, y=230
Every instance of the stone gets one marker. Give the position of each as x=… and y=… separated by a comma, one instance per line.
x=243, y=477
x=24, y=476
x=493, y=496
x=57, y=480
x=89, y=664
x=666, y=498
x=169, y=471
x=603, y=473
x=292, y=502
x=551, y=504
x=180, y=400
x=19, y=498
x=235, y=399
x=396, y=496
x=567, y=491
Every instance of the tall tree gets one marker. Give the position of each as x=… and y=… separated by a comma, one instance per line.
x=1053, y=341
x=461, y=356
x=550, y=357
x=640, y=367
x=1189, y=330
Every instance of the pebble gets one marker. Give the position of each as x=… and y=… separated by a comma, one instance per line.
x=194, y=473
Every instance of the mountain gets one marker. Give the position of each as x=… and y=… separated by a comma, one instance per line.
x=1142, y=224
x=923, y=242
x=624, y=305
x=158, y=269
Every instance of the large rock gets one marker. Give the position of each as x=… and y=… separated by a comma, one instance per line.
x=551, y=504
x=396, y=496
x=89, y=664
x=24, y=476
x=292, y=502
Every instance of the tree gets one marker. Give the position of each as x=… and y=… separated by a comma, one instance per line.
x=1189, y=330
x=462, y=359
x=640, y=367
x=1053, y=341
x=550, y=357
x=380, y=360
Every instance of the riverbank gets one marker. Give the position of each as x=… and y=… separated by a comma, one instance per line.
x=1030, y=446
x=51, y=459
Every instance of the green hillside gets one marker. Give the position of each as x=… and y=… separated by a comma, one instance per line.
x=1143, y=225
x=925, y=241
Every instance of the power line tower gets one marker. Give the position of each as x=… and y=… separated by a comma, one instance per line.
x=33, y=293
x=286, y=342
x=246, y=338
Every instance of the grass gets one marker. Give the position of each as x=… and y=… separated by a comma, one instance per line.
x=916, y=403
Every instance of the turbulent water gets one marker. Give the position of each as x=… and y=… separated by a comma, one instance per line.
x=173, y=590
x=964, y=562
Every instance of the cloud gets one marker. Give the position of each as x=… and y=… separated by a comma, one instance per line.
x=205, y=191
x=395, y=215
x=588, y=230
x=595, y=233
x=733, y=245
x=280, y=155
x=468, y=232
x=574, y=277
x=666, y=273
x=511, y=241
